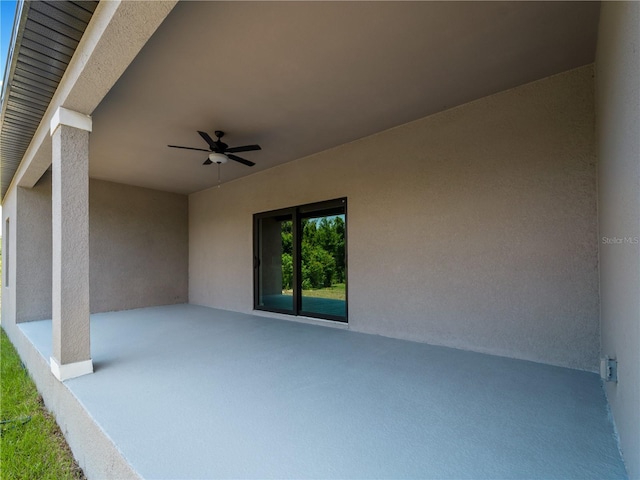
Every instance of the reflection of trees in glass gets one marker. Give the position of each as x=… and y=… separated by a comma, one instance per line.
x=287, y=271
x=322, y=252
x=287, y=255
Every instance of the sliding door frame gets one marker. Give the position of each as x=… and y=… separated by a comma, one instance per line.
x=297, y=214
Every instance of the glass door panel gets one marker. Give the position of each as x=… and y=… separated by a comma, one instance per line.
x=275, y=263
x=323, y=278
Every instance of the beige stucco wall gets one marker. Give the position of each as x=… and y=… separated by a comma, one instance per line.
x=137, y=242
x=618, y=134
x=34, y=272
x=28, y=260
x=9, y=257
x=473, y=228
x=138, y=247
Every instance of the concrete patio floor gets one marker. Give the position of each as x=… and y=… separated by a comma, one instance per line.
x=192, y=392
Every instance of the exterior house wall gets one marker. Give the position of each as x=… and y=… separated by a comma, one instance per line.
x=474, y=228
x=34, y=231
x=9, y=259
x=618, y=136
x=138, y=249
x=27, y=261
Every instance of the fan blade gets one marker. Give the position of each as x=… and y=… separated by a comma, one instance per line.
x=246, y=148
x=207, y=162
x=241, y=160
x=189, y=148
x=209, y=140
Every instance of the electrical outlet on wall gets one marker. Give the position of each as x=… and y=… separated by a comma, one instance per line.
x=609, y=369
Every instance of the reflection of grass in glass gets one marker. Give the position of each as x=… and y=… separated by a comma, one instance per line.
x=336, y=292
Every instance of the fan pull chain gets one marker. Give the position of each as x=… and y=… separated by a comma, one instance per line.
x=218, y=175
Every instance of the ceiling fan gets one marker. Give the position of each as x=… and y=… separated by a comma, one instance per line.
x=220, y=151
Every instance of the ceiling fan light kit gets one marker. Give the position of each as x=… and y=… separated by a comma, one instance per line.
x=217, y=158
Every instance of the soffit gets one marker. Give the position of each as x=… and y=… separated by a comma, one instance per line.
x=46, y=35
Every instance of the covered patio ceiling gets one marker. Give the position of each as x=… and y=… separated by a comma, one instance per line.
x=299, y=78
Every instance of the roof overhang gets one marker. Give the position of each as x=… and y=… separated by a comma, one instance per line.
x=64, y=54
x=295, y=77
x=44, y=38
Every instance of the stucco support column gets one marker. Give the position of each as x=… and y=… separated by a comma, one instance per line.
x=70, y=208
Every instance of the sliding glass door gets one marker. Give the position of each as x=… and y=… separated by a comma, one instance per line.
x=300, y=260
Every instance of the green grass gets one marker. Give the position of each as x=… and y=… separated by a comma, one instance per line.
x=31, y=444
x=337, y=292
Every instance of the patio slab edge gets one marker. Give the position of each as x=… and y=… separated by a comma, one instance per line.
x=94, y=451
